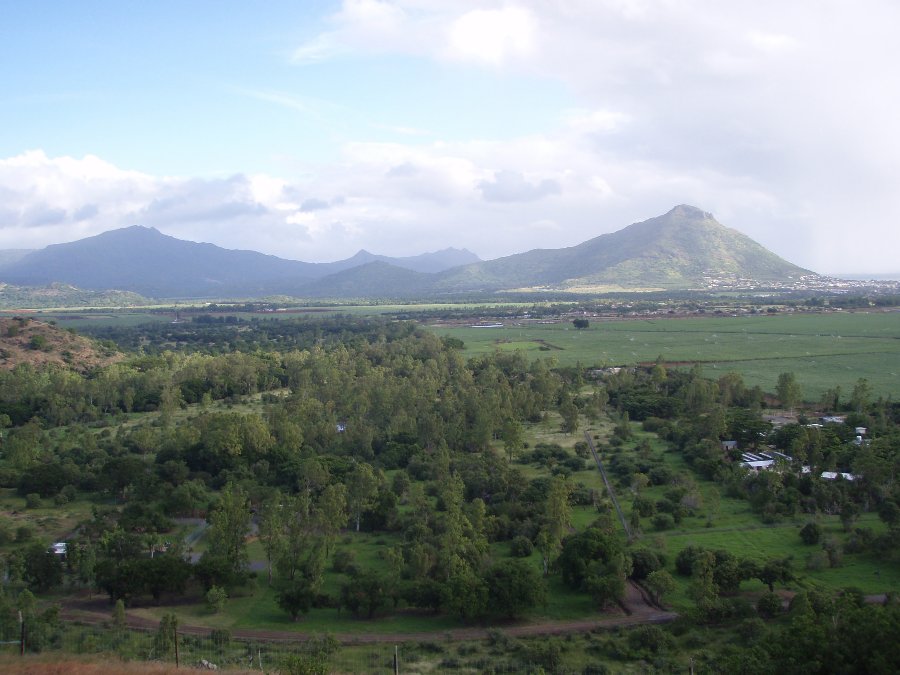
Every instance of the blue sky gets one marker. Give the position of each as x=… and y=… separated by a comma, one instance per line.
x=313, y=129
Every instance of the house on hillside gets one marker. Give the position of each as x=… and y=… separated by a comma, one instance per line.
x=766, y=460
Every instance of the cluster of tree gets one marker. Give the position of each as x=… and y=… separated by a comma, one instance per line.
x=695, y=415
x=822, y=635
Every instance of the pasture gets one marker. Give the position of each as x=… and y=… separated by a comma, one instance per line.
x=823, y=350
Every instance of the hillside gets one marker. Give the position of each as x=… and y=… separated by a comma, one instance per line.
x=24, y=340
x=64, y=295
x=683, y=248
x=374, y=279
x=145, y=261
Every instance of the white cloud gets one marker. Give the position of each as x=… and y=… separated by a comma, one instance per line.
x=492, y=36
x=777, y=117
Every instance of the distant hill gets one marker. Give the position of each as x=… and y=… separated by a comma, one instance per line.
x=11, y=255
x=377, y=279
x=684, y=248
x=64, y=295
x=145, y=261
x=25, y=340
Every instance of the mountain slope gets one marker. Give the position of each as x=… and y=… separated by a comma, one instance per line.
x=145, y=261
x=685, y=248
x=680, y=249
x=377, y=279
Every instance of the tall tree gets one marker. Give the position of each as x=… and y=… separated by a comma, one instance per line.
x=362, y=488
x=229, y=522
x=788, y=390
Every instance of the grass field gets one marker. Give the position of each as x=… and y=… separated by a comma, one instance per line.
x=823, y=350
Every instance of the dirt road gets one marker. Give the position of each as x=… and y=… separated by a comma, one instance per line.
x=635, y=610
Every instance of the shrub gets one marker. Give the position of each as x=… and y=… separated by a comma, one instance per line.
x=817, y=560
x=663, y=521
x=342, y=560
x=216, y=597
x=32, y=500
x=769, y=606
x=811, y=533
x=521, y=547
x=643, y=563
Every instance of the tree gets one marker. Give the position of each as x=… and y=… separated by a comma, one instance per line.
x=558, y=510
x=581, y=324
x=364, y=594
x=42, y=569
x=512, y=438
x=271, y=530
x=514, y=587
x=788, y=390
x=229, y=522
x=703, y=588
x=659, y=583
x=775, y=570
x=331, y=513
x=295, y=596
x=569, y=413
x=465, y=594
x=362, y=488
x=811, y=533
x=216, y=597
x=164, y=640
x=861, y=395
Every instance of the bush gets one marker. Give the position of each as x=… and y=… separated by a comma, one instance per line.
x=769, y=606
x=23, y=533
x=684, y=561
x=643, y=563
x=66, y=495
x=32, y=500
x=216, y=597
x=521, y=547
x=663, y=521
x=811, y=534
x=342, y=560
x=817, y=560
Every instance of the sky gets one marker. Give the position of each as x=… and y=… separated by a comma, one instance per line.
x=312, y=129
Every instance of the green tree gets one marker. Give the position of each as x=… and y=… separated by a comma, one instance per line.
x=788, y=390
x=659, y=583
x=362, y=488
x=364, y=594
x=514, y=588
x=295, y=596
x=216, y=598
x=513, y=440
x=229, y=522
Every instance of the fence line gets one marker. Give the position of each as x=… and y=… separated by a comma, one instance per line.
x=612, y=495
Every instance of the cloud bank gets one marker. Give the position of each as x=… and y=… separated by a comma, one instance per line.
x=777, y=117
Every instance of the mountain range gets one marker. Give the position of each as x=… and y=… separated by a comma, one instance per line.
x=685, y=248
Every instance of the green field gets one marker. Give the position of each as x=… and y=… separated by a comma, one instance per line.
x=823, y=350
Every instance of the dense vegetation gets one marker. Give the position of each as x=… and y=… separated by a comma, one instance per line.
x=365, y=466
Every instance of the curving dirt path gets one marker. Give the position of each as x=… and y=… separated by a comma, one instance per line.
x=636, y=609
